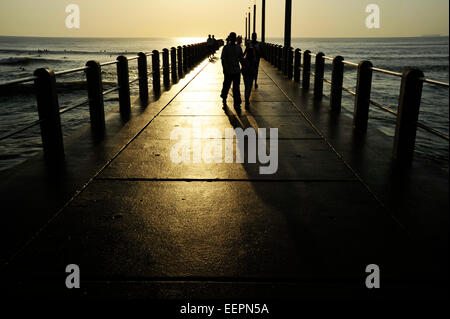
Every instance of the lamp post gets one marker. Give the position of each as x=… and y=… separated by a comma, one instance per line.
x=287, y=34
x=249, y=21
x=254, y=17
x=249, y=24
x=263, y=22
x=245, y=27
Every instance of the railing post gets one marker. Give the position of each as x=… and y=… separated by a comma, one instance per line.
x=194, y=54
x=271, y=53
x=274, y=55
x=95, y=96
x=156, y=72
x=188, y=56
x=306, y=70
x=362, y=98
x=408, y=115
x=280, y=57
x=275, y=62
x=48, y=109
x=337, y=80
x=284, y=66
x=180, y=61
x=185, y=58
x=123, y=81
x=297, y=59
x=173, y=62
x=290, y=67
x=143, y=77
x=318, y=75
x=197, y=53
x=166, y=68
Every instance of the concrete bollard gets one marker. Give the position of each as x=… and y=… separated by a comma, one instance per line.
x=166, y=67
x=180, y=61
x=290, y=65
x=95, y=96
x=318, y=75
x=156, y=72
x=185, y=67
x=48, y=109
x=173, y=63
x=408, y=115
x=297, y=60
x=123, y=81
x=274, y=55
x=280, y=58
x=188, y=57
x=143, y=77
x=337, y=79
x=306, y=70
x=362, y=98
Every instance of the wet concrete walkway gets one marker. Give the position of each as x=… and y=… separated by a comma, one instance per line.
x=146, y=227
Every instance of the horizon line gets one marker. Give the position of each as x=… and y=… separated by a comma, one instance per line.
x=158, y=37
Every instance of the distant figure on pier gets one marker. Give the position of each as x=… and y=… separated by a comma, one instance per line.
x=214, y=44
x=231, y=57
x=210, y=44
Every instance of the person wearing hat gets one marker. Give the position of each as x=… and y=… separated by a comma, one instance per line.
x=231, y=59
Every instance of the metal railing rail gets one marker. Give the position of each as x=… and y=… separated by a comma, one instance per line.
x=20, y=130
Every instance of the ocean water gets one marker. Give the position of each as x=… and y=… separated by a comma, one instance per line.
x=20, y=56
x=429, y=54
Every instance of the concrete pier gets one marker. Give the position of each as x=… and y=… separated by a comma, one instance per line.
x=140, y=226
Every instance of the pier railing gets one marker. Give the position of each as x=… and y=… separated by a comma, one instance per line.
x=410, y=95
x=175, y=64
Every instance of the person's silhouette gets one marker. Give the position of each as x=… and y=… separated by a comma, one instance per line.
x=231, y=57
x=210, y=45
x=255, y=44
x=249, y=70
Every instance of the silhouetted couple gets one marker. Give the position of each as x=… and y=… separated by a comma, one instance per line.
x=232, y=58
x=211, y=45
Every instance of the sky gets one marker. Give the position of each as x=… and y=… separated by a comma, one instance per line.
x=197, y=18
